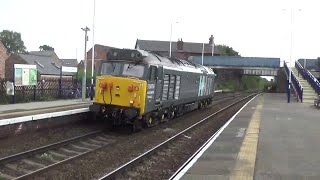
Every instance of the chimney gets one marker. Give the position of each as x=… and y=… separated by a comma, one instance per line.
x=180, y=45
x=211, y=39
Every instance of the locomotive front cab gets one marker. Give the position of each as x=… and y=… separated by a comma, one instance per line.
x=120, y=91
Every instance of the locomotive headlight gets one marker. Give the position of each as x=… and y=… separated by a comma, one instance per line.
x=130, y=88
x=131, y=102
x=103, y=85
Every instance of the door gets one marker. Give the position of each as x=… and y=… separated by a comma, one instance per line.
x=159, y=84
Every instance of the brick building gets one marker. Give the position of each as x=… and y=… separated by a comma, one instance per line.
x=3, y=57
x=48, y=64
x=179, y=49
x=100, y=52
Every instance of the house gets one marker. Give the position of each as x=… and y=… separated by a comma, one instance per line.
x=179, y=49
x=100, y=53
x=48, y=64
x=3, y=57
x=69, y=62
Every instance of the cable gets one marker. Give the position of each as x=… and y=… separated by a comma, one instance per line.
x=103, y=97
x=110, y=96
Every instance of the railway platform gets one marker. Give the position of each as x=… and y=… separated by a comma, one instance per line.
x=13, y=113
x=267, y=139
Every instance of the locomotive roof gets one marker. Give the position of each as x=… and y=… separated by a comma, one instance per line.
x=145, y=57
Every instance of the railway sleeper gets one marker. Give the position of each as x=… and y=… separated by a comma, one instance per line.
x=17, y=168
x=32, y=163
x=62, y=156
x=6, y=176
x=90, y=145
x=70, y=151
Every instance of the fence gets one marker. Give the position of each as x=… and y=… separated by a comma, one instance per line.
x=45, y=90
x=309, y=77
x=296, y=84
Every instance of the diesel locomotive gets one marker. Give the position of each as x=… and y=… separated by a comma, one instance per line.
x=140, y=88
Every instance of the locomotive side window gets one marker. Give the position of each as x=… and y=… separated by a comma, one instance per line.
x=153, y=70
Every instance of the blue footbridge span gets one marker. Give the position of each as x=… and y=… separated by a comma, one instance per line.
x=304, y=80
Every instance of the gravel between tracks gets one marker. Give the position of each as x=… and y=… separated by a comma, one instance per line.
x=94, y=165
x=27, y=141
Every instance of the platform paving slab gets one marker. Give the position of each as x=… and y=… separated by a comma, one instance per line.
x=223, y=159
x=281, y=141
x=289, y=145
x=33, y=108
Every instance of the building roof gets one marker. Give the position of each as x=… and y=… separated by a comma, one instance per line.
x=69, y=62
x=42, y=53
x=163, y=46
x=45, y=64
x=103, y=47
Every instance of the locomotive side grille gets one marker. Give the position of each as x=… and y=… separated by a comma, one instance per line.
x=177, y=88
x=171, y=86
x=166, y=82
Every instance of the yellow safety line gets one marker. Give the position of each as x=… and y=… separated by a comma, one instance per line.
x=244, y=167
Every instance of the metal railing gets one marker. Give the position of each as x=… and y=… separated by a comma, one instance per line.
x=309, y=77
x=296, y=84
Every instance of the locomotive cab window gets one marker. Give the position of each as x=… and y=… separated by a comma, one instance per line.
x=153, y=70
x=110, y=68
x=133, y=70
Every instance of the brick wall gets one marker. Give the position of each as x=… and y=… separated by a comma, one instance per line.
x=13, y=59
x=3, y=57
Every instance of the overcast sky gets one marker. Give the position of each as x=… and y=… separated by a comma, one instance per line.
x=252, y=27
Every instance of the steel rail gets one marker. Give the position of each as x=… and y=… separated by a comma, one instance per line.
x=42, y=149
x=113, y=173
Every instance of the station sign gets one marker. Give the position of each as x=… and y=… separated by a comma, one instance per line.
x=25, y=75
x=10, y=88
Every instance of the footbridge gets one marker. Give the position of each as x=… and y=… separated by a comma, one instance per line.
x=258, y=66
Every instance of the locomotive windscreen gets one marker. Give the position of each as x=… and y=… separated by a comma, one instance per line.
x=122, y=69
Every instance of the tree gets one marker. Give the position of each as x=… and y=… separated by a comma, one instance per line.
x=46, y=48
x=12, y=41
x=227, y=51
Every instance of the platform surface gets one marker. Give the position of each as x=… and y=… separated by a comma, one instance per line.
x=32, y=108
x=268, y=139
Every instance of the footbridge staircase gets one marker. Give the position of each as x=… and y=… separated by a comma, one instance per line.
x=304, y=84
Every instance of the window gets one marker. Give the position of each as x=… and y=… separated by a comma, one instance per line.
x=133, y=70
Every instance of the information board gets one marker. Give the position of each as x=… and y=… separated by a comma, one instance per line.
x=25, y=75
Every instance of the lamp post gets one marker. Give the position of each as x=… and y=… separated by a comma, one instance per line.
x=211, y=42
x=290, y=59
x=170, y=50
x=202, y=54
x=84, y=78
x=92, y=58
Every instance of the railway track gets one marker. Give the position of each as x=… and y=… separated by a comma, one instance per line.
x=137, y=163
x=37, y=161
x=31, y=162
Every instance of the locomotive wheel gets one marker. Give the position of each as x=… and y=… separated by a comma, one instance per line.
x=163, y=118
x=149, y=120
x=172, y=114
